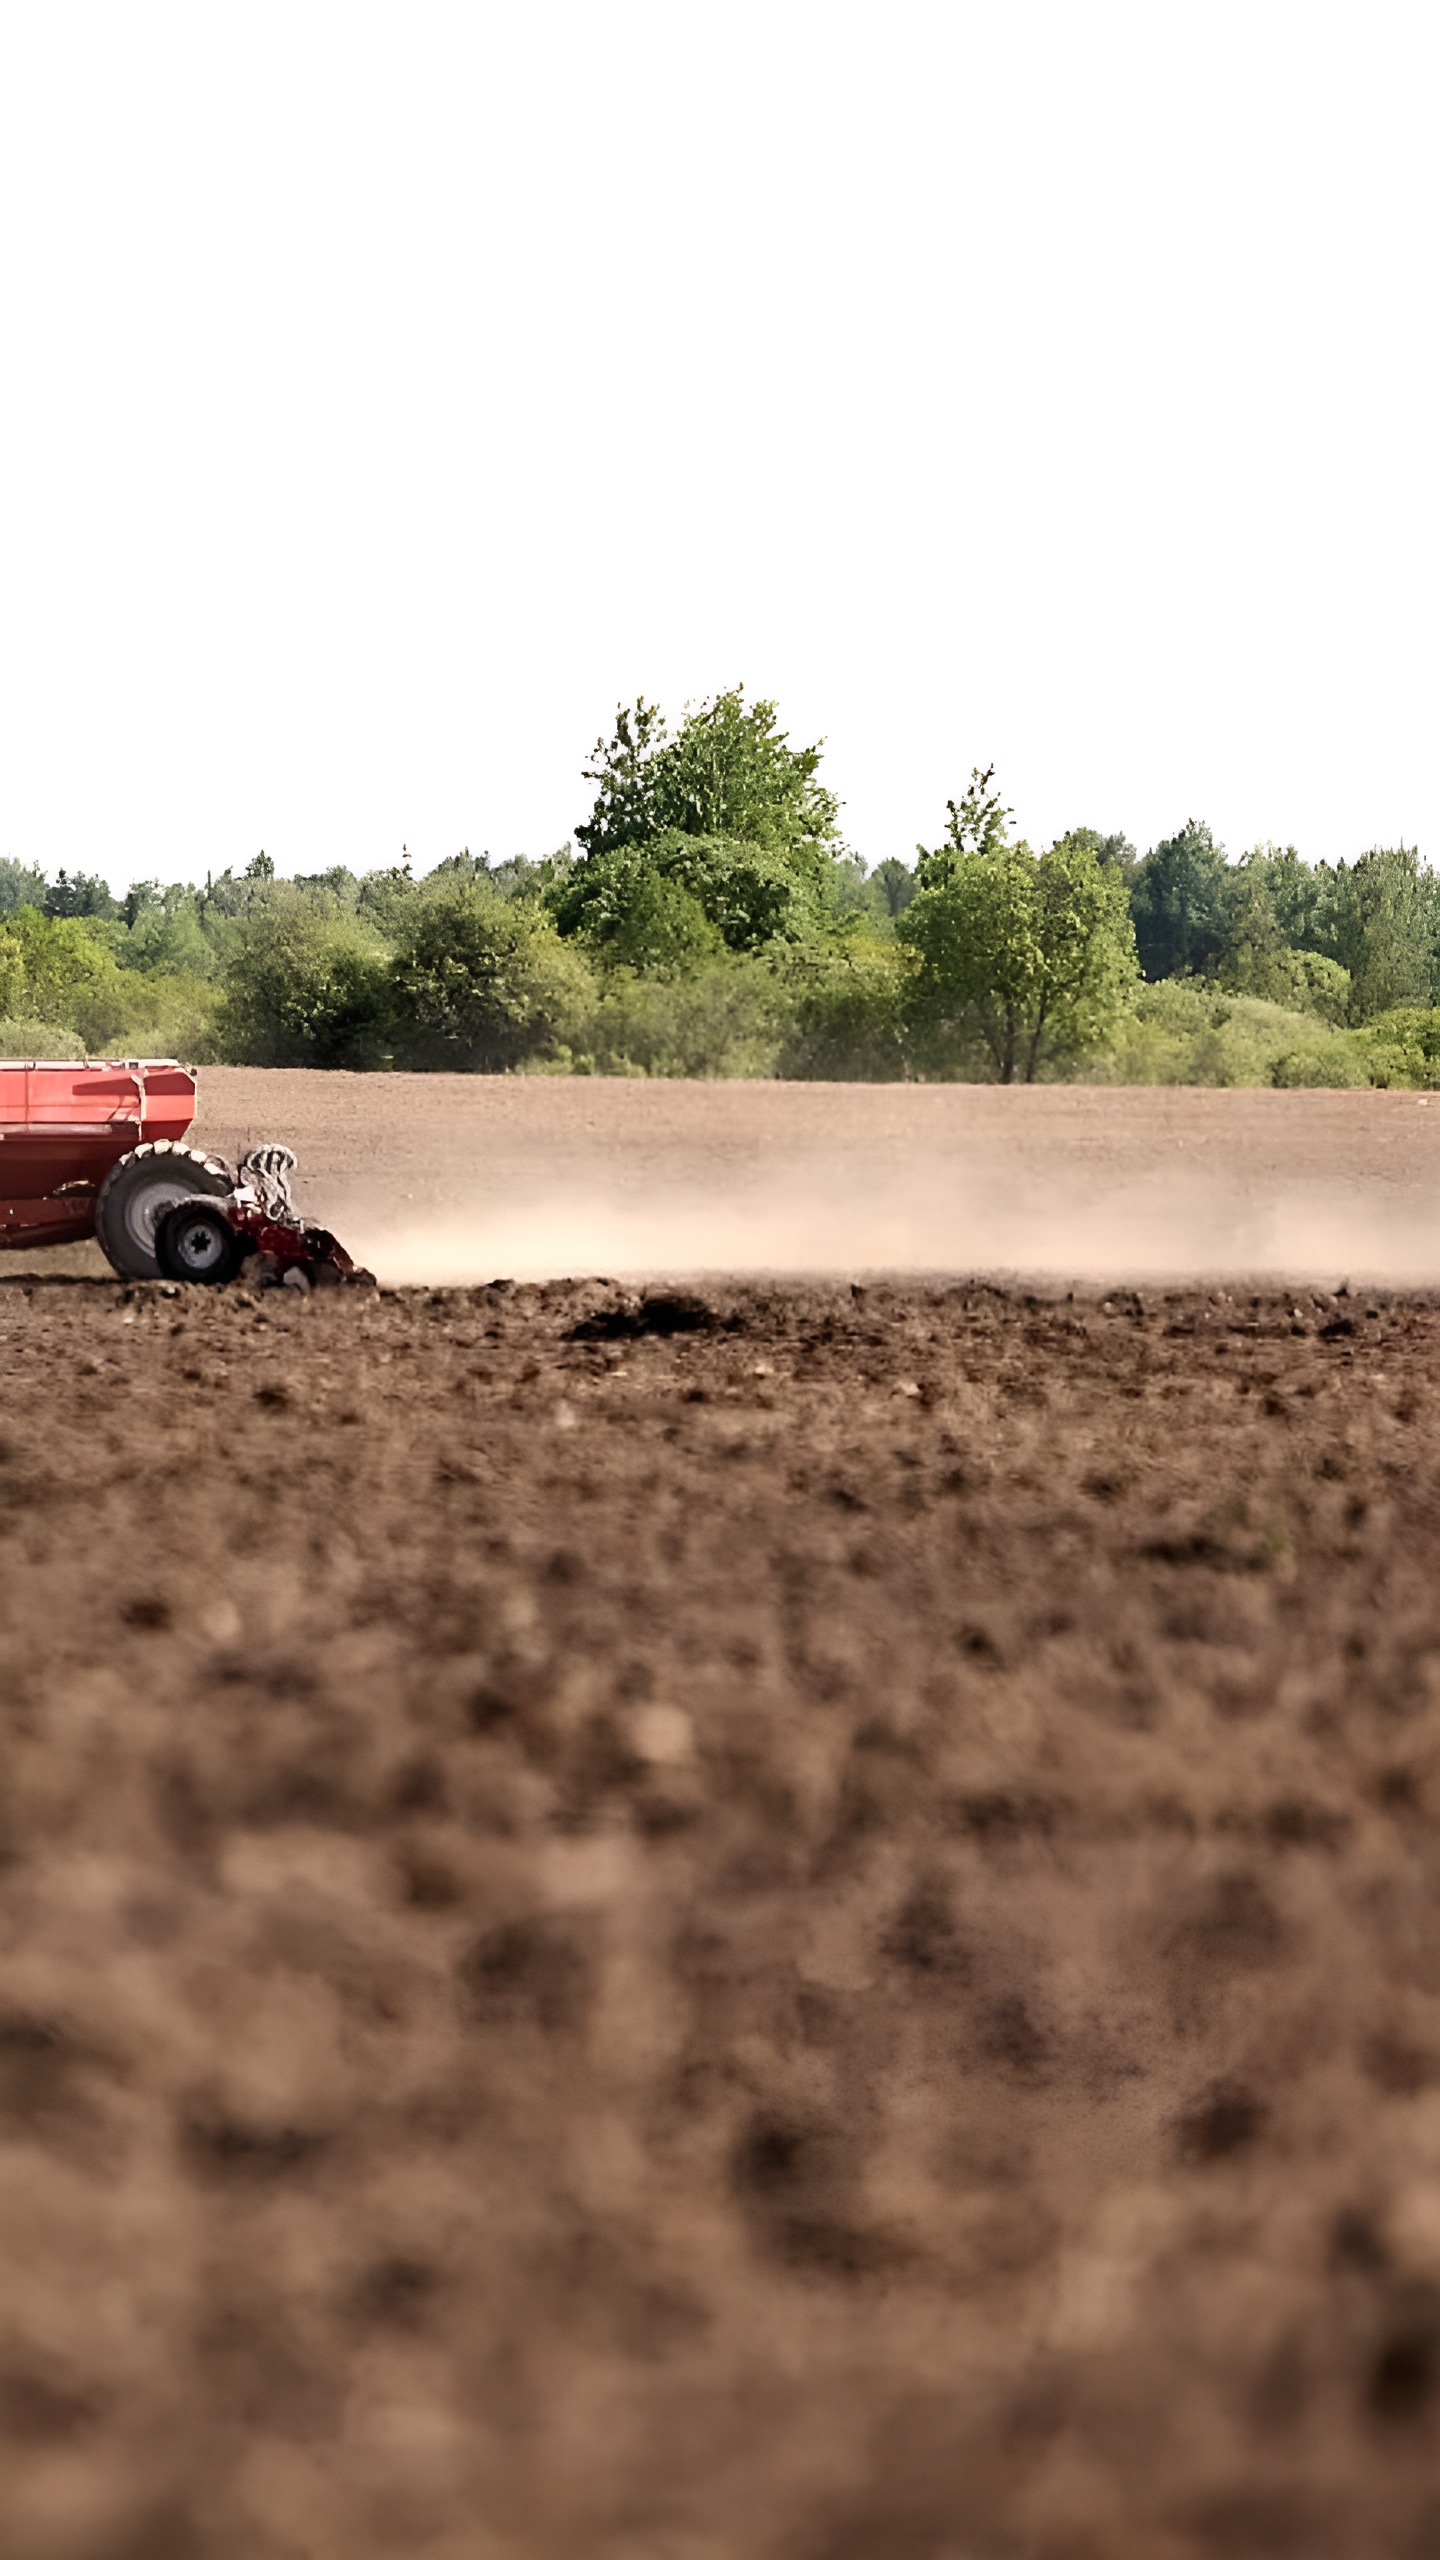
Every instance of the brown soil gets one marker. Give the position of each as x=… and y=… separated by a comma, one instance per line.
x=458, y=1178
x=797, y=1926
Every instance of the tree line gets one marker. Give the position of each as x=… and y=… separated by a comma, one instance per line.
x=709, y=919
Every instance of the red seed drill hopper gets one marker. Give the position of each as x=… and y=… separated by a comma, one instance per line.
x=98, y=1149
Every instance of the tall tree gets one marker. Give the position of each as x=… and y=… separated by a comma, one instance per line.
x=86, y=895
x=1177, y=899
x=728, y=770
x=895, y=883
x=1031, y=957
x=748, y=894
x=1380, y=918
x=978, y=822
x=19, y=886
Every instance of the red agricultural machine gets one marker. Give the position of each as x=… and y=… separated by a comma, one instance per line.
x=99, y=1150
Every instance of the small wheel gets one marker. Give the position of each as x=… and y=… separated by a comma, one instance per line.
x=136, y=1193
x=197, y=1242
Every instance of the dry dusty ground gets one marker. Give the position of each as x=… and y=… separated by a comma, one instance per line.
x=455, y=1178
x=810, y=1938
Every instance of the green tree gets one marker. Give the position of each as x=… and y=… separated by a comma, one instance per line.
x=19, y=886
x=160, y=931
x=728, y=770
x=86, y=895
x=1177, y=900
x=850, y=998
x=978, y=822
x=895, y=883
x=1031, y=958
x=656, y=924
x=302, y=986
x=749, y=894
x=482, y=982
x=1378, y=917
x=1295, y=890
x=53, y=969
x=1116, y=848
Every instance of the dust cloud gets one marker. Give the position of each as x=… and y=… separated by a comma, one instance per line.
x=820, y=1221
x=455, y=1179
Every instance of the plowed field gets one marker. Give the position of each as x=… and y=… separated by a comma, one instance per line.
x=456, y=1178
x=786, y=1924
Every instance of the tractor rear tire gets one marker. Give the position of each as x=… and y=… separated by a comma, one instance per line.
x=137, y=1192
x=196, y=1241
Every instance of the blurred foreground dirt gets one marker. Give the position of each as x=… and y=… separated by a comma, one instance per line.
x=791, y=1925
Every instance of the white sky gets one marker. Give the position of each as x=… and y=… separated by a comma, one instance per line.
x=389, y=390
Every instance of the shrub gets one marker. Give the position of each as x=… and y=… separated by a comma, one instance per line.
x=22, y=1039
x=849, y=1003
x=52, y=969
x=481, y=982
x=1330, y=1062
x=1403, y=1047
x=1184, y=1031
x=726, y=1020
x=301, y=987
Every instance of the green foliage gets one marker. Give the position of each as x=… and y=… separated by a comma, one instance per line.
x=385, y=899
x=302, y=986
x=1177, y=901
x=20, y=1038
x=167, y=940
x=1303, y=981
x=728, y=771
x=727, y=1019
x=895, y=884
x=339, y=883
x=1378, y=918
x=481, y=982
x=978, y=822
x=19, y=886
x=850, y=1009
x=712, y=923
x=645, y=918
x=747, y=893
x=1115, y=848
x=52, y=969
x=1403, y=1046
x=1028, y=958
x=85, y=895
x=851, y=897
x=1294, y=889
x=1180, y=1031
x=1315, y=1060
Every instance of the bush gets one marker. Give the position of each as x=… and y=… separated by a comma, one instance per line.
x=1301, y=981
x=727, y=1020
x=659, y=927
x=1320, y=1063
x=1403, y=1047
x=849, y=999
x=1184, y=1031
x=21, y=1039
x=481, y=982
x=166, y=942
x=171, y=1017
x=302, y=987
x=52, y=969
